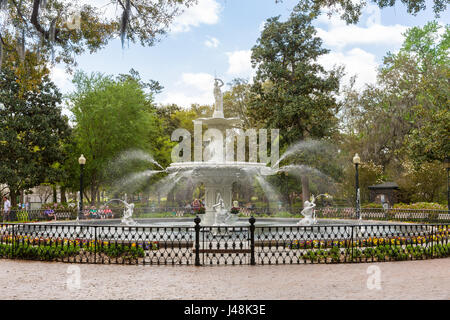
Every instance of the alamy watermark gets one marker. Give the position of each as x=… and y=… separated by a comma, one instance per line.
x=374, y=279
x=225, y=146
x=73, y=281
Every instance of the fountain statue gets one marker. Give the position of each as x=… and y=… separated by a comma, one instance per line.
x=127, y=214
x=223, y=216
x=218, y=96
x=308, y=213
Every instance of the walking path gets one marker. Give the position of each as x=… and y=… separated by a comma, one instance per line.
x=429, y=279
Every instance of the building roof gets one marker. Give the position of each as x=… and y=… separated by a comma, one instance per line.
x=385, y=185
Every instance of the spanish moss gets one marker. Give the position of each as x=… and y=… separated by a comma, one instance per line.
x=125, y=21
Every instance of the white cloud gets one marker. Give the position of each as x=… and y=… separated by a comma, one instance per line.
x=372, y=32
x=212, y=42
x=262, y=25
x=191, y=88
x=204, y=12
x=343, y=36
x=62, y=79
x=356, y=61
x=239, y=63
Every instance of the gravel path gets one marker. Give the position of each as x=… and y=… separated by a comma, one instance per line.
x=429, y=279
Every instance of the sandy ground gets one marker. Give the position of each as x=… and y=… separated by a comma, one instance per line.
x=428, y=279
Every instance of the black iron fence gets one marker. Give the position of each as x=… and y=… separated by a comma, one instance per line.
x=249, y=244
x=411, y=215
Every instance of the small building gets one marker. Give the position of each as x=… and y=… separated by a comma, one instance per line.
x=384, y=193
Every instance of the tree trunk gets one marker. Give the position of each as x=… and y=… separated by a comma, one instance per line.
x=305, y=188
x=63, y=194
x=55, y=198
x=171, y=198
x=13, y=196
x=93, y=194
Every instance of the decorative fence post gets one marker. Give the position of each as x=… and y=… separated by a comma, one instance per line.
x=351, y=244
x=197, y=240
x=433, y=232
x=95, y=244
x=13, y=241
x=252, y=241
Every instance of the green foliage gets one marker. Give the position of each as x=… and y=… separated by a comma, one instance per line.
x=420, y=205
x=350, y=11
x=290, y=91
x=111, y=116
x=115, y=250
x=373, y=205
x=24, y=250
x=422, y=68
x=236, y=101
x=65, y=29
x=402, y=122
x=32, y=131
x=369, y=174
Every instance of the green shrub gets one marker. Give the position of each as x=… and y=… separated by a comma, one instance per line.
x=420, y=205
x=44, y=253
x=372, y=205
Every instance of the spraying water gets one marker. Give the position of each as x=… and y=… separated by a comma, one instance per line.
x=300, y=146
x=134, y=155
x=169, y=182
x=136, y=178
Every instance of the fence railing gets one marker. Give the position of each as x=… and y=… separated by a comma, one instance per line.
x=411, y=215
x=250, y=244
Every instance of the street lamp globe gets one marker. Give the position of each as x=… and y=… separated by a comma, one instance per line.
x=82, y=160
x=356, y=159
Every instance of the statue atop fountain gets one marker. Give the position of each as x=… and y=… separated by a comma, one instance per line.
x=308, y=213
x=218, y=96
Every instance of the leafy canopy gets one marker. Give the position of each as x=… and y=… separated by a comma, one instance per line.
x=32, y=132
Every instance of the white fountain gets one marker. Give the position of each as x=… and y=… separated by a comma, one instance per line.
x=308, y=213
x=212, y=168
x=127, y=217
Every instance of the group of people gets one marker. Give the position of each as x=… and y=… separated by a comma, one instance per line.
x=101, y=213
x=194, y=205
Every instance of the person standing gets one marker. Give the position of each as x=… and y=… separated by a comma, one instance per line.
x=6, y=208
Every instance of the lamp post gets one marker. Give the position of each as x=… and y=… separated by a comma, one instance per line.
x=356, y=162
x=447, y=167
x=82, y=162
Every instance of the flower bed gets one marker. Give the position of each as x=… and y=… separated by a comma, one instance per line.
x=40, y=248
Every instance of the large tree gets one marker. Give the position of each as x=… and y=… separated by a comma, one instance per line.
x=32, y=132
x=402, y=122
x=406, y=112
x=291, y=91
x=111, y=116
x=64, y=29
x=237, y=99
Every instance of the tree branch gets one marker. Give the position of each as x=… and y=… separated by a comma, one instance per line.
x=35, y=22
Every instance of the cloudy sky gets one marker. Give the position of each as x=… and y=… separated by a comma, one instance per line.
x=215, y=38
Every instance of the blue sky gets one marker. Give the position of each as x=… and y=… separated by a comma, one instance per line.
x=216, y=36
